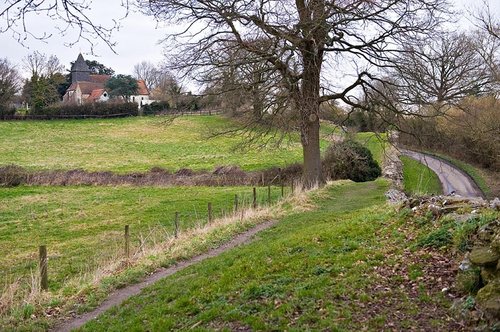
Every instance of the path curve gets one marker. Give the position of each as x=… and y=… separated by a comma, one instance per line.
x=453, y=180
x=123, y=294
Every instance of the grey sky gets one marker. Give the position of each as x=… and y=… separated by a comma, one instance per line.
x=137, y=40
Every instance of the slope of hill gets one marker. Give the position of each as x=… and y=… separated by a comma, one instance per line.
x=349, y=263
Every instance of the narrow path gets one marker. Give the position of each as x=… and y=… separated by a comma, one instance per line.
x=123, y=294
x=452, y=179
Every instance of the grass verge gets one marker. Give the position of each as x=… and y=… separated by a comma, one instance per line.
x=419, y=179
x=470, y=170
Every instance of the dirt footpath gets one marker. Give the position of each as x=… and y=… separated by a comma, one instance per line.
x=122, y=294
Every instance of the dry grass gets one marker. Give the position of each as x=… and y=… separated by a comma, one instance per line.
x=12, y=175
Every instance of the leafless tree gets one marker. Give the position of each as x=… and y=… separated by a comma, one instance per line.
x=39, y=64
x=245, y=82
x=162, y=83
x=148, y=72
x=34, y=63
x=10, y=81
x=487, y=20
x=53, y=65
x=68, y=15
x=443, y=70
x=304, y=38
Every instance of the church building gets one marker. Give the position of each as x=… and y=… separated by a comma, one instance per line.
x=87, y=87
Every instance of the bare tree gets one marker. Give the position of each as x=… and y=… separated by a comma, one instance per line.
x=245, y=82
x=443, y=70
x=68, y=15
x=487, y=20
x=148, y=72
x=35, y=63
x=10, y=81
x=52, y=66
x=304, y=37
x=38, y=64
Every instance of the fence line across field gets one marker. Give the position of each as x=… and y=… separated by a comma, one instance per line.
x=108, y=116
x=238, y=205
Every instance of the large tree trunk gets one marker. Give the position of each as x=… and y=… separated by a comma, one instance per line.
x=309, y=114
x=312, y=175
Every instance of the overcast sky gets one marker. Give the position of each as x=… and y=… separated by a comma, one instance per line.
x=137, y=40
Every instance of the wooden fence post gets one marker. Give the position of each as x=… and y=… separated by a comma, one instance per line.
x=127, y=242
x=176, y=224
x=254, y=198
x=44, y=278
x=281, y=182
x=292, y=188
x=235, y=202
x=210, y=213
x=269, y=195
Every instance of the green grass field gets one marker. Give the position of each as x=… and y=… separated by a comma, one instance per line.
x=419, y=179
x=140, y=143
x=83, y=226
x=316, y=270
x=134, y=145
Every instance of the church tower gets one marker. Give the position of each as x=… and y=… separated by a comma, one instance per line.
x=80, y=71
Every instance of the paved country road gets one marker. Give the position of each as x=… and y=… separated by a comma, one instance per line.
x=453, y=180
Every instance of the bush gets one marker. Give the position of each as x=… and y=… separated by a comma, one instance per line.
x=155, y=107
x=6, y=113
x=350, y=160
x=12, y=176
x=109, y=109
x=468, y=132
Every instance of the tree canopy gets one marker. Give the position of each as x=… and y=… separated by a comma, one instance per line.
x=296, y=40
x=9, y=82
x=122, y=86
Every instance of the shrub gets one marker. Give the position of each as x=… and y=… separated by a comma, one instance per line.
x=6, y=113
x=11, y=176
x=350, y=160
x=468, y=132
x=155, y=107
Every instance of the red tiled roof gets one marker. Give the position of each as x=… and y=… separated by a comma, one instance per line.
x=99, y=78
x=96, y=94
x=88, y=87
x=141, y=88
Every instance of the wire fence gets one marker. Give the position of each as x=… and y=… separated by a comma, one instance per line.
x=129, y=243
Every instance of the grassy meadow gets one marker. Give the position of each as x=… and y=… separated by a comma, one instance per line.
x=134, y=145
x=137, y=144
x=344, y=265
x=83, y=226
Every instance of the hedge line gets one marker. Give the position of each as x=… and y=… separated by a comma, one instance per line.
x=94, y=110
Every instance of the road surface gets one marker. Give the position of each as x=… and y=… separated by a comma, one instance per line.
x=452, y=179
